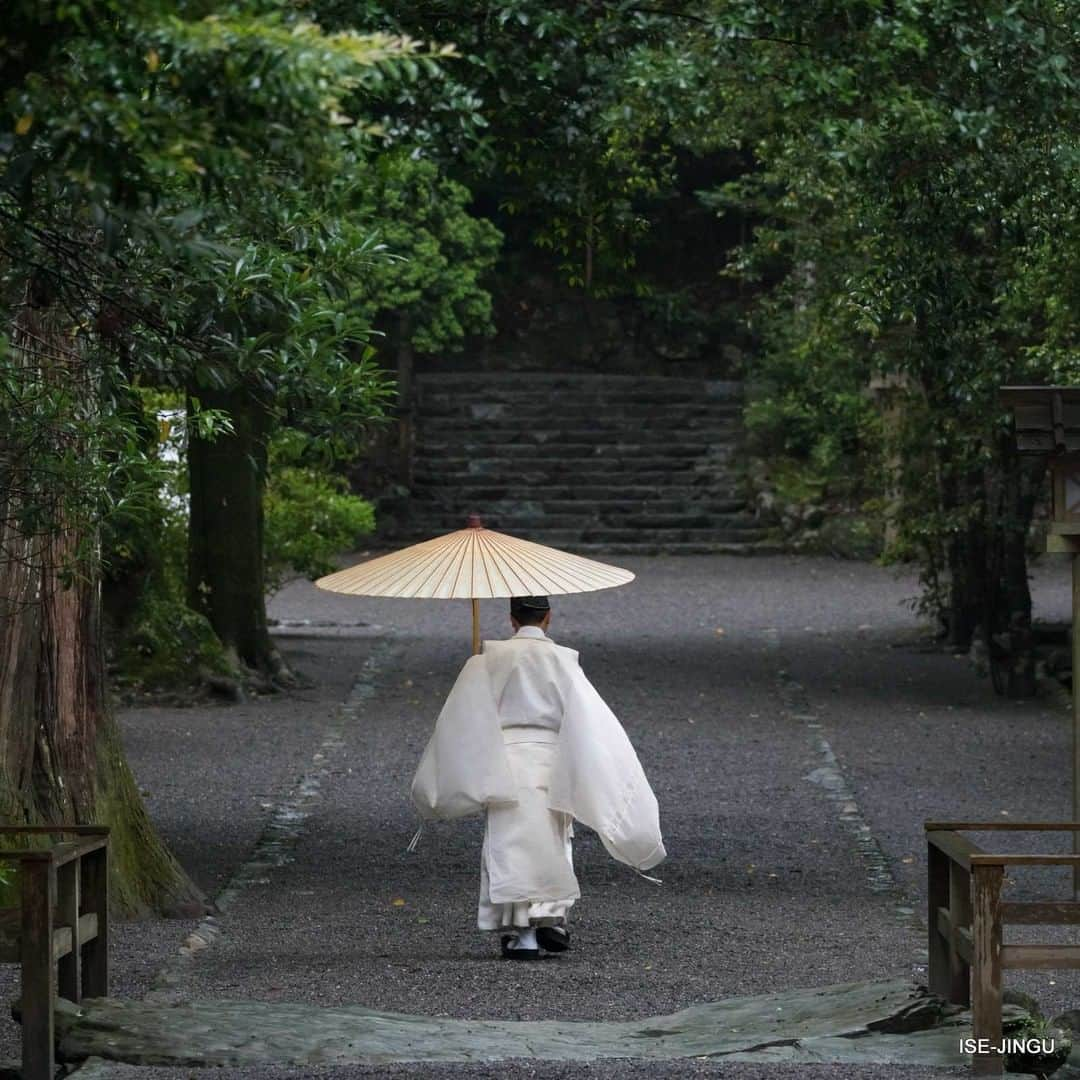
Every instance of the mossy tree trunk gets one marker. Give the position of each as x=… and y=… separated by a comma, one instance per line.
x=227, y=481
x=61, y=757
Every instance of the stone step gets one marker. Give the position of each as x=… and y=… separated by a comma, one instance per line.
x=617, y=474
x=501, y=399
x=581, y=452
x=492, y=385
x=429, y=433
x=486, y=490
x=602, y=534
x=265, y=1037
x=624, y=474
x=515, y=520
x=446, y=469
x=487, y=378
x=585, y=462
x=584, y=489
x=648, y=547
x=551, y=408
x=607, y=507
x=642, y=546
x=592, y=487
x=615, y=507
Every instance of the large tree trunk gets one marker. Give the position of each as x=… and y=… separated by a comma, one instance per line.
x=61, y=758
x=965, y=552
x=130, y=558
x=1014, y=488
x=227, y=477
x=989, y=596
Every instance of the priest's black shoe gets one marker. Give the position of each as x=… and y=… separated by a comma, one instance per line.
x=553, y=938
x=517, y=954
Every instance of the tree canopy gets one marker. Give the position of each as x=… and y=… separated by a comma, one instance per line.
x=258, y=206
x=187, y=199
x=909, y=173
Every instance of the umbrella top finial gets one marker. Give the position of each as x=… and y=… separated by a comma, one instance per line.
x=474, y=522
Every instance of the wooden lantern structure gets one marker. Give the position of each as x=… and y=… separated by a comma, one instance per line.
x=1048, y=425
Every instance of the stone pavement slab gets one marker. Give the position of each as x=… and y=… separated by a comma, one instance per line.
x=889, y=1022
x=531, y=1069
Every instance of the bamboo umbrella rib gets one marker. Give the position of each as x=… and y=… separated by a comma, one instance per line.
x=447, y=582
x=429, y=576
x=404, y=574
x=437, y=567
x=531, y=585
x=455, y=565
x=571, y=567
x=383, y=578
x=479, y=542
x=392, y=577
x=524, y=583
x=502, y=565
x=559, y=578
x=566, y=572
x=566, y=577
x=384, y=572
x=513, y=562
x=468, y=554
x=548, y=565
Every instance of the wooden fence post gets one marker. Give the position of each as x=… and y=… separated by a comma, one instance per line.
x=986, y=969
x=95, y=963
x=959, y=916
x=69, y=968
x=1076, y=716
x=940, y=950
x=38, y=967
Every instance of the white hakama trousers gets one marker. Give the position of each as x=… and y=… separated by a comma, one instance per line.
x=526, y=864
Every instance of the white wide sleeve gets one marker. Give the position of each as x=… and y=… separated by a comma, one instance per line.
x=599, y=779
x=464, y=766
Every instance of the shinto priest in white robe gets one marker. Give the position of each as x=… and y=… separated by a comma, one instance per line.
x=525, y=736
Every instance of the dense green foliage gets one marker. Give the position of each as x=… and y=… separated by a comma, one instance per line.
x=441, y=256
x=269, y=200
x=139, y=175
x=203, y=203
x=532, y=116
x=911, y=177
x=310, y=518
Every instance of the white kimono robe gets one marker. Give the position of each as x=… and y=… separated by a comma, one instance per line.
x=524, y=730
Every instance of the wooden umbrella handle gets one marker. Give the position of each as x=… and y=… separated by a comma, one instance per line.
x=475, y=626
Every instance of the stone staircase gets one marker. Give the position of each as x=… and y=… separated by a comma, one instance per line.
x=592, y=463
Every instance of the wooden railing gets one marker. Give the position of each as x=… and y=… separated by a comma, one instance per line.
x=965, y=917
x=59, y=934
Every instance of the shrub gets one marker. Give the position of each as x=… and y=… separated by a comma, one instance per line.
x=310, y=517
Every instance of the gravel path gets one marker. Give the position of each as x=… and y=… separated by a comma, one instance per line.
x=778, y=704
